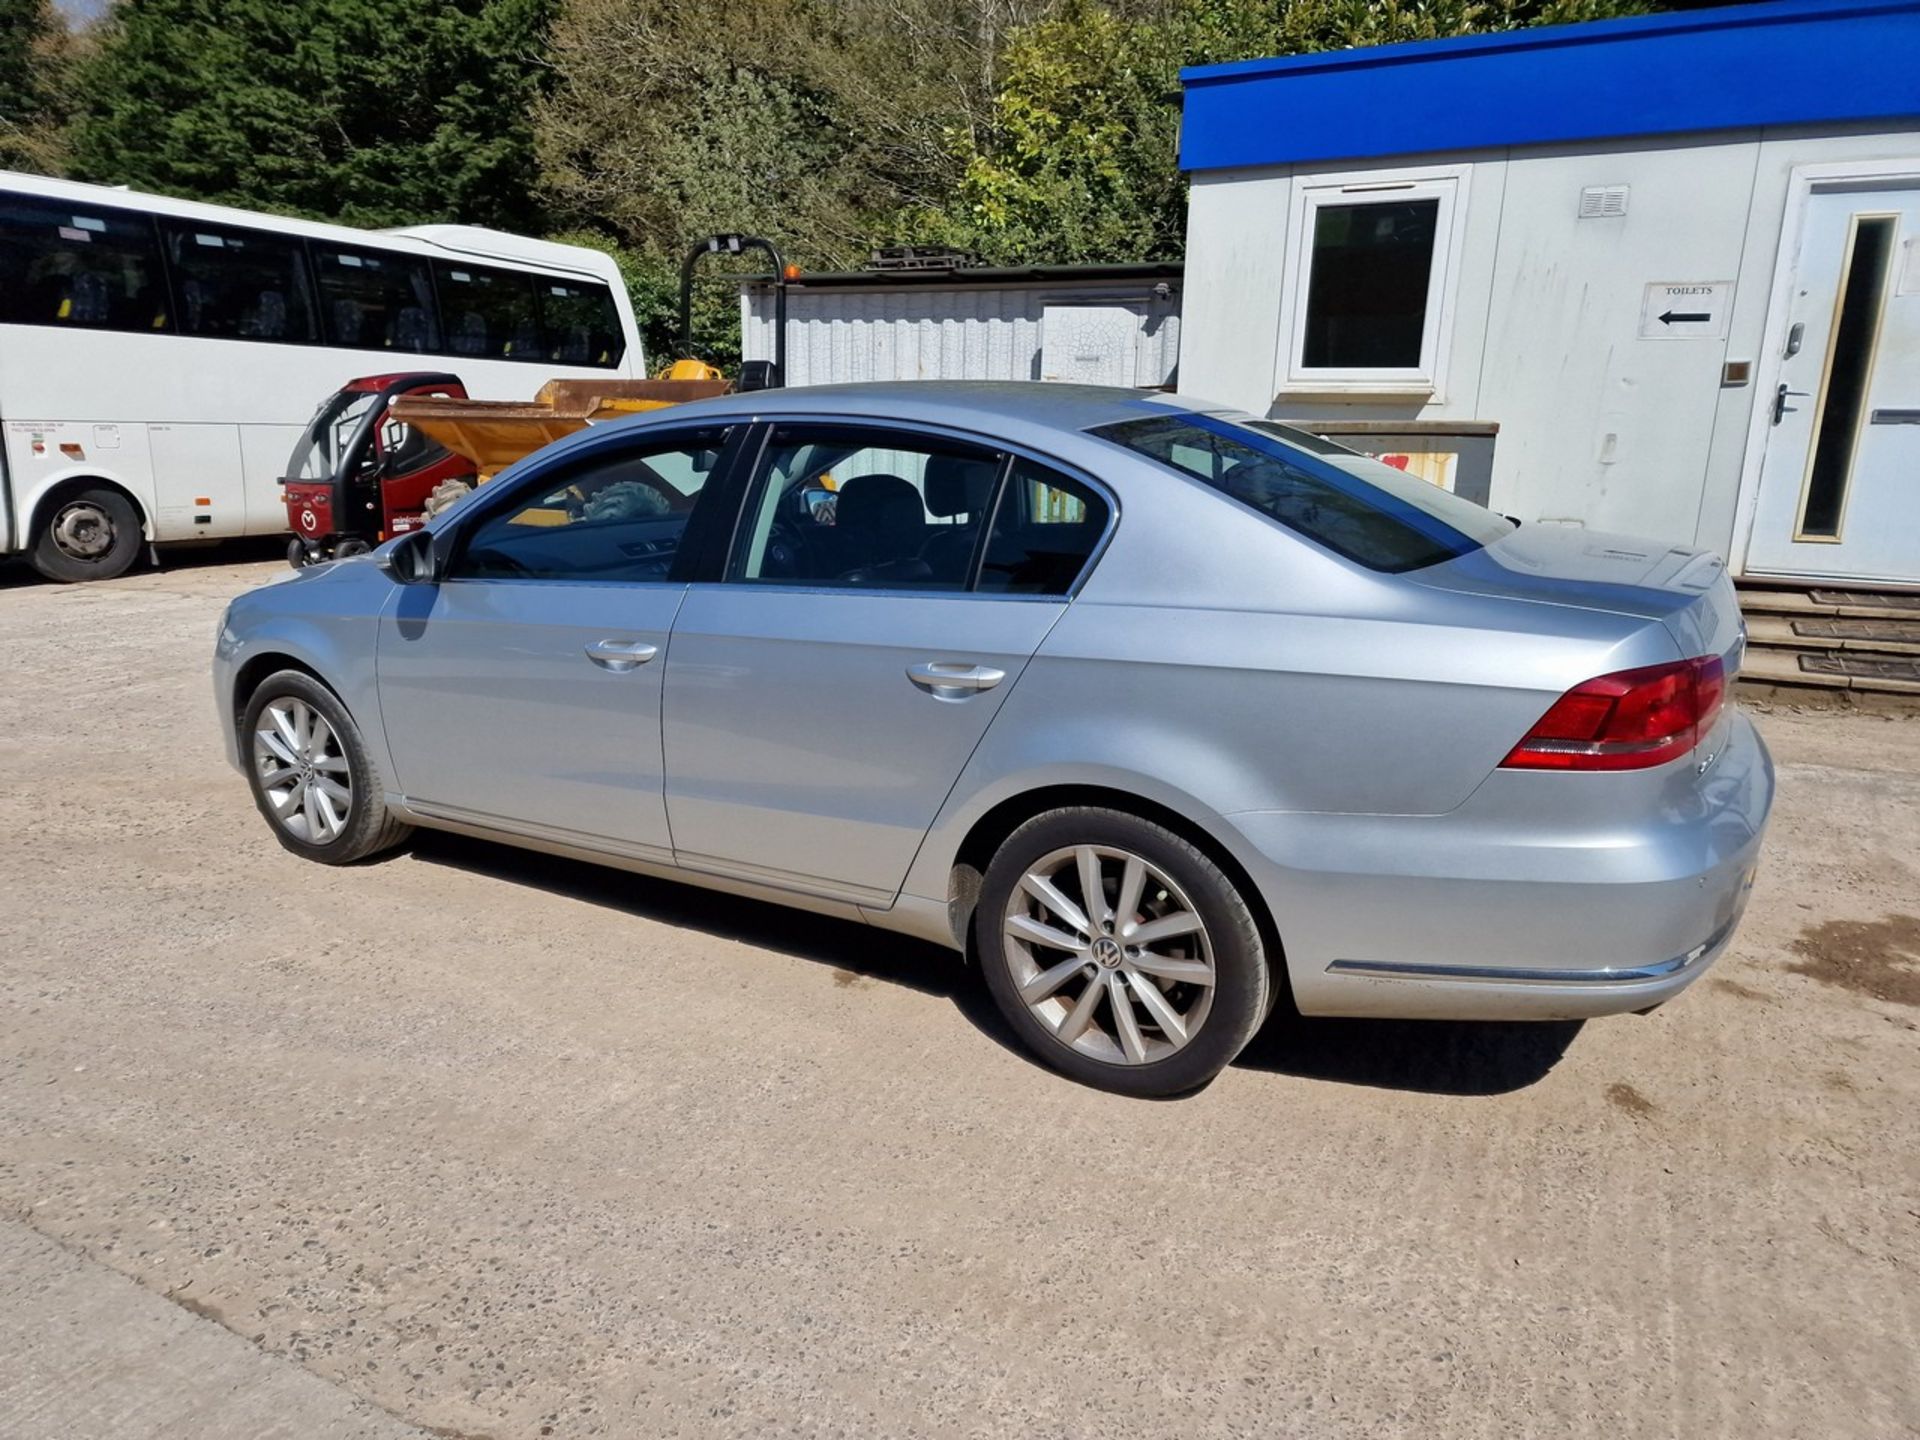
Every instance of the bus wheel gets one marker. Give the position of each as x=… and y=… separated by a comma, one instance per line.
x=89, y=534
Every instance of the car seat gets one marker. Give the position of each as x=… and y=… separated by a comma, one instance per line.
x=882, y=524
x=957, y=486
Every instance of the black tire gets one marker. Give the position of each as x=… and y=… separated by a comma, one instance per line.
x=298, y=556
x=1243, y=989
x=368, y=827
x=92, y=533
x=350, y=547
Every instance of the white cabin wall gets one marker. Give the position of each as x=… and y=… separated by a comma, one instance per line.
x=1598, y=426
x=1236, y=272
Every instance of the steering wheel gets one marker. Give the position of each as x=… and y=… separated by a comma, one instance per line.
x=788, y=555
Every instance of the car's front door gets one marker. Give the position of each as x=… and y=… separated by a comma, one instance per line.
x=822, y=699
x=522, y=690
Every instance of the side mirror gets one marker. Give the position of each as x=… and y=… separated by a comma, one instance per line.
x=411, y=560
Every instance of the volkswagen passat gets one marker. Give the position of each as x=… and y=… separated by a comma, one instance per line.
x=1159, y=710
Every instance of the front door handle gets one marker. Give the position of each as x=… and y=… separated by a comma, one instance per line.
x=620, y=655
x=953, y=679
x=1780, y=407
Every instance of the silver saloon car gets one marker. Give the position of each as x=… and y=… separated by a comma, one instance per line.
x=1161, y=712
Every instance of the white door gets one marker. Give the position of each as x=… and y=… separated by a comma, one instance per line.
x=1089, y=344
x=1839, y=494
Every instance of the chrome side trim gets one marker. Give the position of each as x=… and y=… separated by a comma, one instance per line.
x=434, y=812
x=1501, y=974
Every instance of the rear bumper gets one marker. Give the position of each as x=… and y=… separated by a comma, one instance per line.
x=1544, y=897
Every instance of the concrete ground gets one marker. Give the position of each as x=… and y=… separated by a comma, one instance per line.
x=505, y=1146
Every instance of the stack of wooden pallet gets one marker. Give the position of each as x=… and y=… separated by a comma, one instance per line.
x=1863, y=640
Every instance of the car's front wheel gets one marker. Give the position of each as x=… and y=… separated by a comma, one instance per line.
x=311, y=773
x=1120, y=952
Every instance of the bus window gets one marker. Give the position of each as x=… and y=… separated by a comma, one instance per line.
x=488, y=312
x=375, y=301
x=65, y=265
x=581, y=325
x=238, y=284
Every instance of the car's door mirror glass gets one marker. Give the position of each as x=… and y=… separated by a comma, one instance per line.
x=411, y=560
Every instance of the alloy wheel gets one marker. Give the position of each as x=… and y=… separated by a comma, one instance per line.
x=302, y=770
x=1109, y=955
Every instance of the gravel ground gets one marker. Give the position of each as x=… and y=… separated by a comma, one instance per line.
x=506, y=1146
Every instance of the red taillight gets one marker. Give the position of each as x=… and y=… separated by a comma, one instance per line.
x=1627, y=721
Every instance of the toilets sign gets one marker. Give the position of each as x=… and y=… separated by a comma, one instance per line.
x=1686, y=310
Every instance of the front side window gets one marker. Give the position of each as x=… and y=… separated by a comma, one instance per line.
x=580, y=323
x=615, y=515
x=864, y=508
x=238, y=284
x=79, y=267
x=1370, y=281
x=1371, y=513
x=329, y=434
x=1045, y=529
x=488, y=313
x=376, y=300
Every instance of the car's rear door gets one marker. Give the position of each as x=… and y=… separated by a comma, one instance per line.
x=823, y=696
x=522, y=690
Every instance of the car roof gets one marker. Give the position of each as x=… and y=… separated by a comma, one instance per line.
x=964, y=404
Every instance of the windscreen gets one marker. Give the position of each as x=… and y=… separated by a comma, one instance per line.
x=317, y=455
x=1381, y=518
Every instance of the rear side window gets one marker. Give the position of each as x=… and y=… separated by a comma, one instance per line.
x=1370, y=513
x=374, y=300
x=238, y=284
x=1045, y=529
x=78, y=266
x=581, y=325
x=488, y=313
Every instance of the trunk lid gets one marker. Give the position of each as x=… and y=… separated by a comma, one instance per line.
x=1686, y=590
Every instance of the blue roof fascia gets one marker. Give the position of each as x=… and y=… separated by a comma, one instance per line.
x=1787, y=62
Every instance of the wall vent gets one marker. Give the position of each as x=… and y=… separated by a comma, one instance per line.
x=1603, y=202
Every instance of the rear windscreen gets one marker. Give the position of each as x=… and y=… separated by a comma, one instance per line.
x=1371, y=513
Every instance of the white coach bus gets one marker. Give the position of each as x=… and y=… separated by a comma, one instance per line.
x=159, y=358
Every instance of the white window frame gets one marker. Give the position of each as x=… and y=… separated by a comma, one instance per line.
x=1426, y=380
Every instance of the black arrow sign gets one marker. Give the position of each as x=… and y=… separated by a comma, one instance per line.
x=1685, y=317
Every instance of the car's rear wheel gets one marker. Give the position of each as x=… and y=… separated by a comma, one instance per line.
x=312, y=775
x=1120, y=952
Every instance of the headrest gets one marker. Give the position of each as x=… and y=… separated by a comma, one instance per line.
x=958, y=484
x=876, y=502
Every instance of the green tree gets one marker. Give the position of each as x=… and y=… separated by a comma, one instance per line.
x=372, y=112
x=812, y=122
x=35, y=53
x=1080, y=160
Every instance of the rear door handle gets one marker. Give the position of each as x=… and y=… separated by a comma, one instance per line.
x=620, y=655
x=953, y=679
